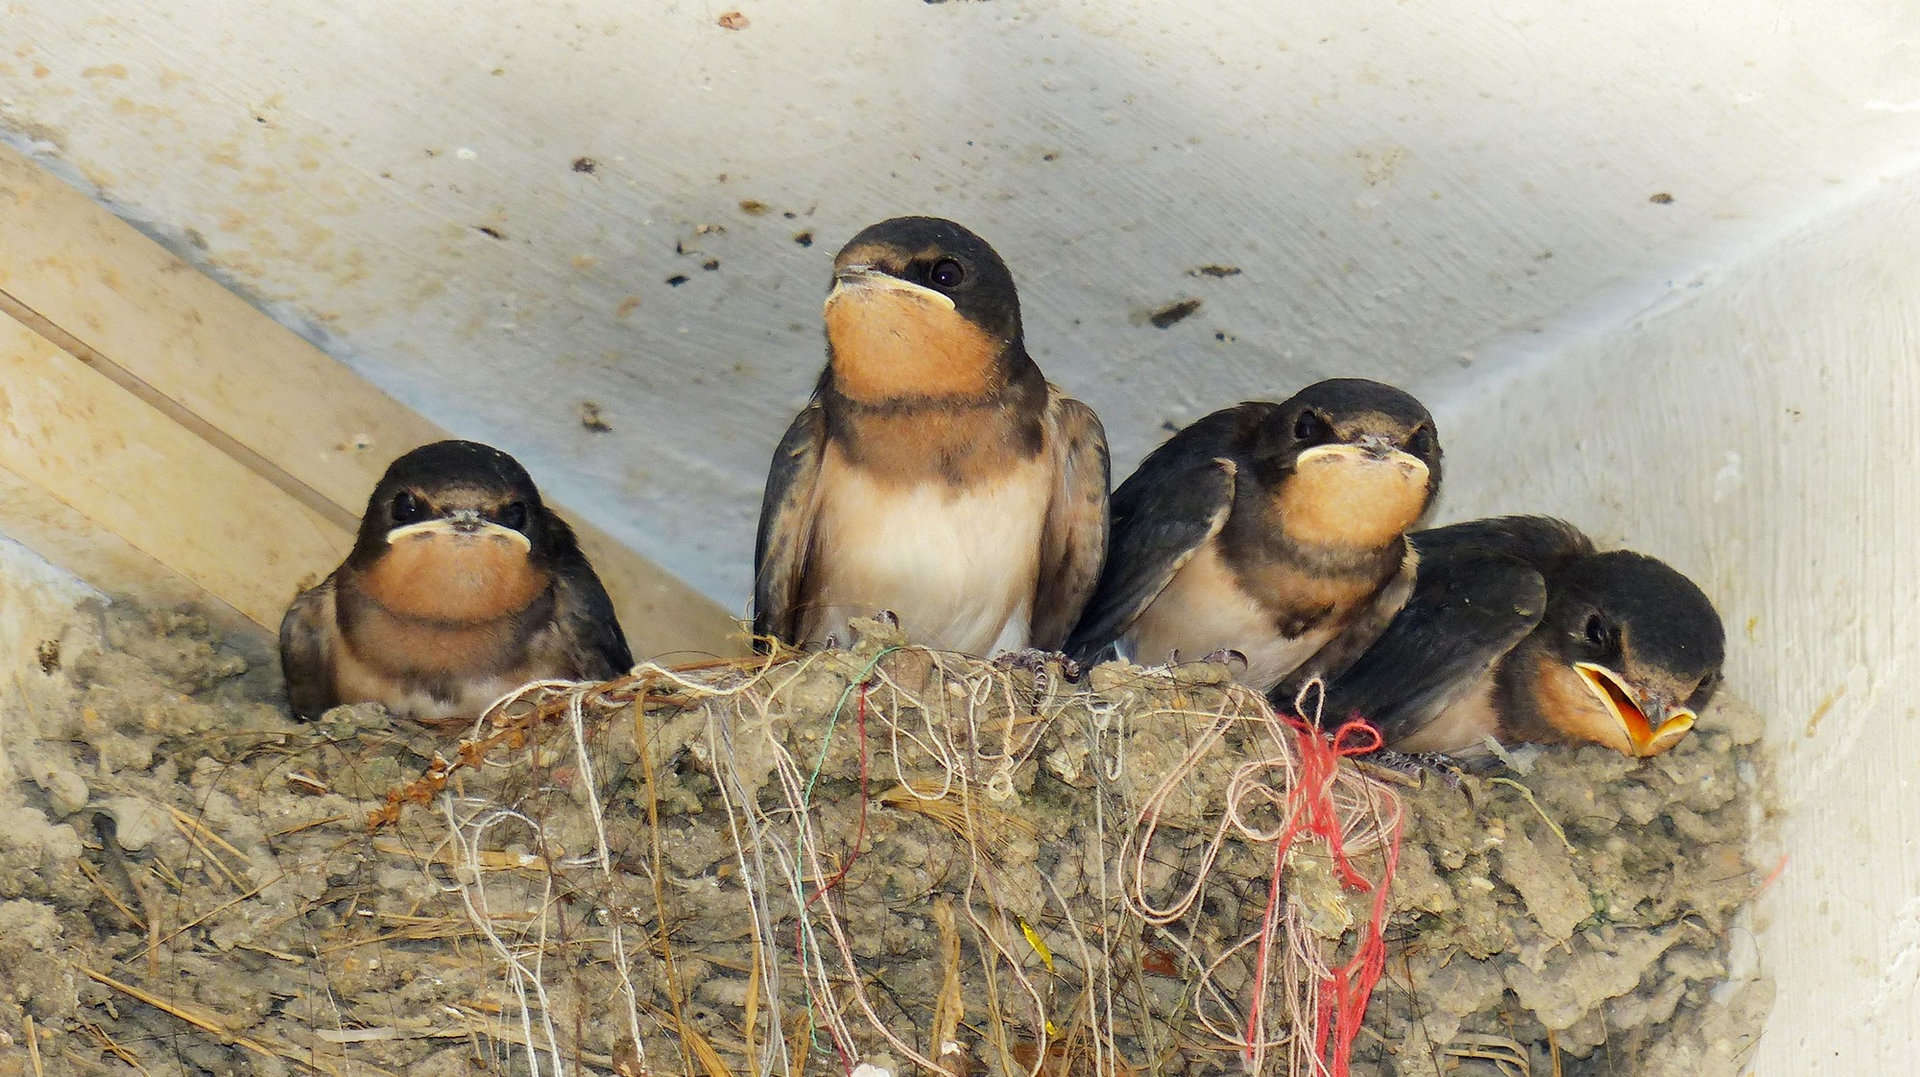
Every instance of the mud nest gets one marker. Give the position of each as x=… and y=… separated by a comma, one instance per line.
x=884, y=857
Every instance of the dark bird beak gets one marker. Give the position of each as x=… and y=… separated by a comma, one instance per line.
x=1376, y=447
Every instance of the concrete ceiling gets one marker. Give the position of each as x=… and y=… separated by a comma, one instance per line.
x=484, y=207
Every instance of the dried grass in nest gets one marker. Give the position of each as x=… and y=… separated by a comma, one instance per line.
x=895, y=856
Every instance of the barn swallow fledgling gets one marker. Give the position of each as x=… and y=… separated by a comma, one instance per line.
x=461, y=586
x=1274, y=530
x=935, y=473
x=1517, y=629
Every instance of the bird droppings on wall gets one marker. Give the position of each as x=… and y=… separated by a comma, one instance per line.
x=1173, y=313
x=592, y=419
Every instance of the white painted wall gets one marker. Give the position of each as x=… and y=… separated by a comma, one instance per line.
x=1399, y=182
x=1762, y=432
x=1445, y=194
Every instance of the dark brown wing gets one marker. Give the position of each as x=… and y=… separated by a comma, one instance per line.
x=1541, y=541
x=1470, y=605
x=595, y=646
x=1162, y=515
x=782, y=549
x=1073, y=545
x=308, y=634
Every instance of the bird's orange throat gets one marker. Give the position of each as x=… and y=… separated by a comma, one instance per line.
x=890, y=344
x=1340, y=498
x=453, y=578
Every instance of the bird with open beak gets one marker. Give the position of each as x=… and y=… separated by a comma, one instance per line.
x=461, y=586
x=935, y=474
x=1275, y=531
x=1519, y=630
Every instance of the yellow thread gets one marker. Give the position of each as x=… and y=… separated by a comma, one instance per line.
x=1039, y=945
x=1542, y=812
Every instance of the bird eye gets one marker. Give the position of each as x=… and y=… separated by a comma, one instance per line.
x=514, y=516
x=1421, y=443
x=1311, y=429
x=407, y=508
x=1599, y=633
x=946, y=273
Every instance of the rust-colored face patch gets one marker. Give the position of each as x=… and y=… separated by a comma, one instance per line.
x=455, y=578
x=1342, y=497
x=1570, y=707
x=892, y=339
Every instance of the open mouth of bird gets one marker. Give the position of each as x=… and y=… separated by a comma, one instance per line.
x=1643, y=737
x=866, y=282
x=460, y=527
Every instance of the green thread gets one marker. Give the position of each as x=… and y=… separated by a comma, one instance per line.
x=806, y=801
x=833, y=721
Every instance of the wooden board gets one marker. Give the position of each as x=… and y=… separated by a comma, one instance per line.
x=164, y=342
x=149, y=482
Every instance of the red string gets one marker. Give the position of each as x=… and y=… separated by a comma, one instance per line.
x=1344, y=997
x=1319, y=766
x=860, y=831
x=1310, y=808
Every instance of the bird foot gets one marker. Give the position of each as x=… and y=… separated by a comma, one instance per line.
x=1036, y=660
x=1418, y=765
x=1226, y=656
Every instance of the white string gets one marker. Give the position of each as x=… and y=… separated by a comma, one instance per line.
x=963, y=733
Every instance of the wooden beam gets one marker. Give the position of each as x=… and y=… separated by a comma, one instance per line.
x=60, y=533
x=204, y=361
x=146, y=481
